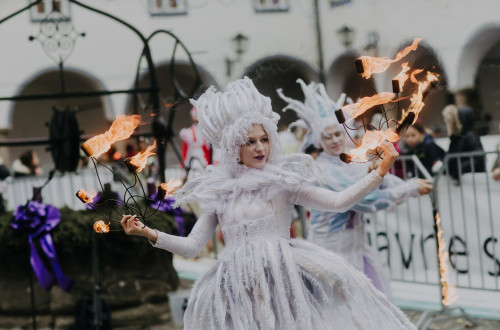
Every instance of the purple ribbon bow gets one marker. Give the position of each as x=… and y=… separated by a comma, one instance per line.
x=166, y=206
x=38, y=220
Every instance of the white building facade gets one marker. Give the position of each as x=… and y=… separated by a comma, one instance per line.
x=460, y=38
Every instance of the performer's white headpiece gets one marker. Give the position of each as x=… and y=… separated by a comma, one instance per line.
x=317, y=110
x=225, y=118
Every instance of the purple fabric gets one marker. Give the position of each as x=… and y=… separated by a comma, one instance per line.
x=38, y=220
x=372, y=274
x=98, y=199
x=165, y=205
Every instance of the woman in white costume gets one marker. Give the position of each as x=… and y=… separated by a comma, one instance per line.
x=263, y=279
x=343, y=232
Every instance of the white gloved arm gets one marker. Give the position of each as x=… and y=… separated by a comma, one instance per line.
x=189, y=246
x=327, y=200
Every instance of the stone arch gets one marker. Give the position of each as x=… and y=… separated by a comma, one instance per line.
x=343, y=78
x=481, y=59
x=474, y=51
x=281, y=71
x=28, y=118
x=426, y=58
x=186, y=77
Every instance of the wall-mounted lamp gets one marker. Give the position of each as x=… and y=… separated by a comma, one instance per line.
x=240, y=44
x=346, y=35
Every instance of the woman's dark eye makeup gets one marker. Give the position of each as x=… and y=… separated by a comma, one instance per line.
x=252, y=141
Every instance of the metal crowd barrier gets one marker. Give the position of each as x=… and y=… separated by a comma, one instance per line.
x=405, y=236
x=61, y=190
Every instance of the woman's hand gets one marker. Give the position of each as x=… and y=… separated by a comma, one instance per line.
x=132, y=226
x=389, y=157
x=374, y=164
x=424, y=186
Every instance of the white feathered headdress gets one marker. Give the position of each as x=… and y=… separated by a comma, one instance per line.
x=225, y=118
x=317, y=110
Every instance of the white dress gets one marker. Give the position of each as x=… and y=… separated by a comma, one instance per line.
x=265, y=280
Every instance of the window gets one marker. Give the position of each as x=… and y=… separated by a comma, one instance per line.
x=167, y=7
x=338, y=3
x=43, y=9
x=270, y=5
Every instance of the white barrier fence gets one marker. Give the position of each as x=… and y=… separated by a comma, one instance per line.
x=470, y=220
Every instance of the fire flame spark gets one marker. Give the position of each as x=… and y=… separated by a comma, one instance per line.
x=373, y=65
x=141, y=159
x=448, y=295
x=171, y=186
x=85, y=196
x=121, y=129
x=101, y=227
x=416, y=100
x=403, y=76
x=357, y=109
x=370, y=141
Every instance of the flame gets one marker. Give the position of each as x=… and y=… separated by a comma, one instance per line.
x=141, y=159
x=448, y=295
x=171, y=186
x=101, y=227
x=373, y=65
x=403, y=76
x=85, y=196
x=120, y=129
x=371, y=140
x=357, y=109
x=416, y=100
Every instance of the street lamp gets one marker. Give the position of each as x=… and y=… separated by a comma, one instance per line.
x=347, y=35
x=240, y=44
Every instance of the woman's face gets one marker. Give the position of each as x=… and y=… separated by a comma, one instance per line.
x=255, y=152
x=333, y=140
x=413, y=137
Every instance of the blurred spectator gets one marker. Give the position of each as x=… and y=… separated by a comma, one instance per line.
x=27, y=164
x=292, y=139
x=459, y=124
x=313, y=151
x=195, y=150
x=422, y=145
x=4, y=171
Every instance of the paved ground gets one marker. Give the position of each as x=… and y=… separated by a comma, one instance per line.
x=455, y=324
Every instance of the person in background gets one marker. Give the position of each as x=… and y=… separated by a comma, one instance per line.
x=422, y=145
x=459, y=125
x=313, y=151
x=4, y=171
x=27, y=164
x=344, y=232
x=195, y=149
x=293, y=138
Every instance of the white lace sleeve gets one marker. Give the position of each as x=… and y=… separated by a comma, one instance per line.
x=327, y=200
x=189, y=246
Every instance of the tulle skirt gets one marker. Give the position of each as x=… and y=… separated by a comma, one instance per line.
x=278, y=283
x=350, y=244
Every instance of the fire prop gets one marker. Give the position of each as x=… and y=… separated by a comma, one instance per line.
x=395, y=128
x=448, y=296
x=121, y=129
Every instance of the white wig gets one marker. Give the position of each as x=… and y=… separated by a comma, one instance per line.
x=225, y=118
x=317, y=110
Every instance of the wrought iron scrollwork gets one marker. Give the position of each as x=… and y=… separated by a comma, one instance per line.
x=58, y=36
